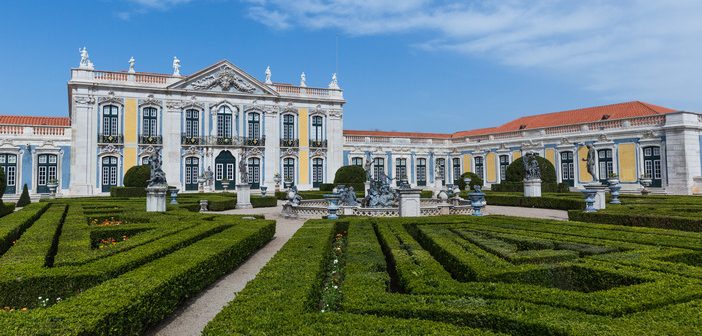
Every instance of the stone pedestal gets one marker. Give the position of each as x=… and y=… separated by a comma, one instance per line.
x=600, y=198
x=366, y=186
x=438, y=186
x=532, y=188
x=409, y=202
x=156, y=199
x=243, y=196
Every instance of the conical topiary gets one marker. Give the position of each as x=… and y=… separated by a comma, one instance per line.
x=24, y=198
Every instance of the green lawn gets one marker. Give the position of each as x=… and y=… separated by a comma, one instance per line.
x=103, y=266
x=473, y=276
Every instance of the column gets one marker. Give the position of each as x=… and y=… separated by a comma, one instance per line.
x=683, y=159
x=335, y=143
x=171, y=144
x=84, y=141
x=272, y=150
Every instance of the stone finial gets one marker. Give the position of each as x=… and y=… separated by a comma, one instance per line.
x=176, y=66
x=85, y=62
x=268, y=75
x=131, y=64
x=334, y=84
x=303, y=80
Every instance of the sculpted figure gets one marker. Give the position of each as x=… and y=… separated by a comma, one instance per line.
x=268, y=75
x=591, y=162
x=243, y=168
x=303, y=80
x=158, y=177
x=176, y=66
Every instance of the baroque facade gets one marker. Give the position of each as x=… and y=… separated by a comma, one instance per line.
x=206, y=121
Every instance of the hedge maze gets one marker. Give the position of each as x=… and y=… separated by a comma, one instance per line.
x=106, y=267
x=474, y=276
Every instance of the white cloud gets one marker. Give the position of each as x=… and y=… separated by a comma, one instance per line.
x=144, y=6
x=627, y=49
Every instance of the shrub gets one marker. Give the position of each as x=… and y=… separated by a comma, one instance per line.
x=128, y=192
x=24, y=198
x=475, y=180
x=264, y=202
x=137, y=176
x=535, y=202
x=6, y=209
x=507, y=186
x=426, y=194
x=515, y=170
x=350, y=174
x=653, y=221
x=326, y=187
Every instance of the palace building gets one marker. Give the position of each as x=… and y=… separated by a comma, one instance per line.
x=205, y=121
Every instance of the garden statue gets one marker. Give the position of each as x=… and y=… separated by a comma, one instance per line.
x=334, y=84
x=531, y=167
x=243, y=168
x=131, y=64
x=303, y=80
x=367, y=167
x=591, y=158
x=158, y=177
x=209, y=177
x=293, y=197
x=348, y=196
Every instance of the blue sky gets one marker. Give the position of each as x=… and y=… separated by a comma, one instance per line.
x=412, y=65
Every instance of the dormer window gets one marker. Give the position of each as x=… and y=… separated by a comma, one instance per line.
x=521, y=127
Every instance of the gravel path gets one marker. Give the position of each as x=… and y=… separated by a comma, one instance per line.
x=191, y=318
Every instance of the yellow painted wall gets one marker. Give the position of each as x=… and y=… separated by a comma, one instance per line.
x=303, y=116
x=467, y=158
x=627, y=162
x=516, y=155
x=551, y=156
x=491, y=167
x=130, y=133
x=584, y=176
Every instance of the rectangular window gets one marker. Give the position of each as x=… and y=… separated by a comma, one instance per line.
x=401, y=169
x=219, y=171
x=657, y=169
x=479, y=167
x=456, y=169
x=357, y=161
x=421, y=171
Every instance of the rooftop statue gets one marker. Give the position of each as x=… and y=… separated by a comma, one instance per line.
x=268, y=75
x=85, y=62
x=131, y=64
x=334, y=84
x=176, y=66
x=303, y=80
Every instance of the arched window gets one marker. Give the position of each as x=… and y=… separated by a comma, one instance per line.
x=289, y=172
x=149, y=122
x=225, y=166
x=421, y=172
x=504, y=163
x=224, y=122
x=192, y=123
x=109, y=173
x=652, y=165
x=378, y=167
x=357, y=161
x=479, y=167
x=8, y=164
x=317, y=172
x=567, y=168
x=317, y=136
x=401, y=170
x=110, y=120
x=441, y=168
x=288, y=127
x=456, y=166
x=254, y=125
x=192, y=172
x=254, y=172
x=606, y=166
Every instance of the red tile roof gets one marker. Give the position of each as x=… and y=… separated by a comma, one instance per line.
x=570, y=117
x=34, y=121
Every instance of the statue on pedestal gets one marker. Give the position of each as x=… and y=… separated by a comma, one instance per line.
x=85, y=62
x=243, y=168
x=131, y=64
x=176, y=66
x=268, y=75
x=303, y=80
x=158, y=177
x=531, y=167
x=591, y=162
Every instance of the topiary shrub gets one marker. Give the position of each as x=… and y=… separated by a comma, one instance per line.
x=474, y=181
x=515, y=170
x=137, y=176
x=350, y=174
x=24, y=199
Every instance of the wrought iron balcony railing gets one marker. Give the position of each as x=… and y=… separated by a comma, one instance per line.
x=225, y=141
x=318, y=143
x=255, y=141
x=289, y=142
x=150, y=140
x=192, y=140
x=110, y=139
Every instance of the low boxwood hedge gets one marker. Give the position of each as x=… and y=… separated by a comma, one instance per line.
x=653, y=220
x=128, y=192
x=547, y=202
x=6, y=208
x=519, y=187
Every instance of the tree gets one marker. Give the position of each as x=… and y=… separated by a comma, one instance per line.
x=350, y=174
x=515, y=171
x=24, y=198
x=474, y=180
x=138, y=176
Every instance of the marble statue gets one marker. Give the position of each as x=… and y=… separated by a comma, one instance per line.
x=438, y=173
x=591, y=162
x=244, y=168
x=334, y=84
x=209, y=175
x=348, y=196
x=367, y=167
x=379, y=194
x=158, y=177
x=85, y=62
x=131, y=64
x=176, y=66
x=293, y=197
x=268, y=75
x=303, y=80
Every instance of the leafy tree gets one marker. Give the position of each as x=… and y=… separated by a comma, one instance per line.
x=24, y=198
x=350, y=174
x=138, y=176
x=474, y=180
x=515, y=170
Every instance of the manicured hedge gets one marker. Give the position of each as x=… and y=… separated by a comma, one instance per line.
x=128, y=192
x=653, y=220
x=519, y=187
x=137, y=176
x=24, y=198
x=12, y=225
x=475, y=180
x=349, y=175
x=6, y=208
x=515, y=170
x=547, y=202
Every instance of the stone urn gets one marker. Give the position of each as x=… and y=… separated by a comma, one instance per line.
x=264, y=190
x=201, y=183
x=52, y=185
x=467, y=181
x=225, y=185
x=174, y=195
x=646, y=182
x=277, y=179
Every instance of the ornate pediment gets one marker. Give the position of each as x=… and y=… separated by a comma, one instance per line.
x=223, y=77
